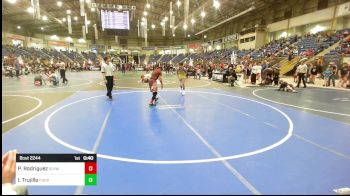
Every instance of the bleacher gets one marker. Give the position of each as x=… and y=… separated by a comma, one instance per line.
x=154, y=58
x=74, y=56
x=179, y=58
x=92, y=56
x=166, y=58
x=17, y=51
x=142, y=58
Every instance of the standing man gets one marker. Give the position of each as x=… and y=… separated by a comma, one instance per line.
x=18, y=63
x=107, y=70
x=181, y=74
x=63, y=72
x=334, y=68
x=156, y=74
x=302, y=70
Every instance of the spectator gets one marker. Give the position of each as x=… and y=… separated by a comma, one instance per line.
x=313, y=73
x=326, y=75
x=232, y=76
x=334, y=69
x=343, y=75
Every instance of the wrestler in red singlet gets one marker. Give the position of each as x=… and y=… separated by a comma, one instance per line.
x=156, y=74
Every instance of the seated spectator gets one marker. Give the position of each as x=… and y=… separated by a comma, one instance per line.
x=232, y=76
x=39, y=80
x=53, y=78
x=343, y=75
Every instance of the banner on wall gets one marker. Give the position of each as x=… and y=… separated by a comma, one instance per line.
x=98, y=46
x=16, y=37
x=149, y=48
x=35, y=40
x=163, y=47
x=194, y=46
x=55, y=43
x=178, y=47
x=80, y=45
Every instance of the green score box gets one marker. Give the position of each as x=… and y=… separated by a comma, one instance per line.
x=90, y=179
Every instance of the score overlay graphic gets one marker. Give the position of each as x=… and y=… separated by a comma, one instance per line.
x=56, y=169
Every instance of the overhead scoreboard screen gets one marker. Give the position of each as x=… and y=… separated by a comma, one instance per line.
x=111, y=19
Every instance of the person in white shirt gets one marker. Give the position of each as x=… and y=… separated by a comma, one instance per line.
x=53, y=78
x=302, y=70
x=107, y=70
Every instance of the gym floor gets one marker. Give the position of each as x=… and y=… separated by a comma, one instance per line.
x=216, y=139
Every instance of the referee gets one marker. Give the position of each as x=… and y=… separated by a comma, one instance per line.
x=107, y=70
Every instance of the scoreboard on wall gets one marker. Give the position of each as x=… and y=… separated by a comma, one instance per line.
x=112, y=19
x=56, y=169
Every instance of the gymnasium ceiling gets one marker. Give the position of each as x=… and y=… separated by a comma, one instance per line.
x=15, y=13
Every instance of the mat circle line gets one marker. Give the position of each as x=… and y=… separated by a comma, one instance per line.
x=267, y=148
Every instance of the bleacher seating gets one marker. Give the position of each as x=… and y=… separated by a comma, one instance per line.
x=179, y=58
x=154, y=58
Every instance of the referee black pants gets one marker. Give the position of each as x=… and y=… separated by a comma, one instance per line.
x=63, y=75
x=301, y=77
x=109, y=85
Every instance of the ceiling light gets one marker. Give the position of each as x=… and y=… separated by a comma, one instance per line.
x=64, y=19
x=81, y=40
x=205, y=36
x=153, y=26
x=59, y=3
x=93, y=9
x=162, y=23
x=216, y=4
x=68, y=12
x=30, y=10
x=75, y=17
x=69, y=39
x=188, y=35
x=42, y=28
x=185, y=26
x=193, y=21
x=11, y=1
x=142, y=23
x=44, y=18
x=88, y=22
x=145, y=13
x=54, y=37
x=202, y=14
x=171, y=26
x=148, y=5
x=166, y=18
x=18, y=27
x=143, y=19
x=174, y=35
x=178, y=3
